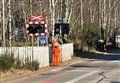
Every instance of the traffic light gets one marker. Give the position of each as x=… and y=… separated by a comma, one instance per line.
x=57, y=28
x=64, y=28
x=36, y=28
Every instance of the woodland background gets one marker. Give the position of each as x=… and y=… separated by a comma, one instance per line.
x=88, y=19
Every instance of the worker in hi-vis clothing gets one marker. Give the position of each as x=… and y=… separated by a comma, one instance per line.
x=55, y=52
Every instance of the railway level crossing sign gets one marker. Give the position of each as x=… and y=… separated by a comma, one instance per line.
x=37, y=26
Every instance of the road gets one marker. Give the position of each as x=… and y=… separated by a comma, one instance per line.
x=97, y=68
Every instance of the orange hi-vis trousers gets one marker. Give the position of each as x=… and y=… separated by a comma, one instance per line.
x=56, y=56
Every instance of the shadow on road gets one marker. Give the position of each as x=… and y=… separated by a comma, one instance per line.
x=114, y=82
x=112, y=54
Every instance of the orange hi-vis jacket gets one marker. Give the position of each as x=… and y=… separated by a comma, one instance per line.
x=55, y=52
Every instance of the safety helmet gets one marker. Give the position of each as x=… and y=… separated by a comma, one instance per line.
x=56, y=44
x=54, y=39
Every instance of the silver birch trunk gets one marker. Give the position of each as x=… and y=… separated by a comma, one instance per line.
x=3, y=12
x=0, y=21
x=91, y=14
x=115, y=16
x=0, y=12
x=25, y=18
x=100, y=17
x=53, y=16
x=40, y=5
x=31, y=6
x=69, y=10
x=81, y=25
x=104, y=17
x=9, y=8
x=52, y=10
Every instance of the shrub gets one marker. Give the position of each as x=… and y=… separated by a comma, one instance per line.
x=31, y=65
x=7, y=60
x=35, y=65
x=18, y=64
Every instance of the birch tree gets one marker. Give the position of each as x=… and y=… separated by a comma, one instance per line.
x=69, y=10
x=52, y=4
x=3, y=27
x=0, y=12
x=10, y=30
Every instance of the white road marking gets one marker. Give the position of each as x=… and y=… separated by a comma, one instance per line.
x=111, y=53
x=57, y=69
x=76, y=71
x=81, y=77
x=82, y=70
x=65, y=66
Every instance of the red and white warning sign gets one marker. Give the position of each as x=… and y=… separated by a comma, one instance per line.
x=37, y=26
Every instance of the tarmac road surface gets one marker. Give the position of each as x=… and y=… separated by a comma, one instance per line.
x=99, y=68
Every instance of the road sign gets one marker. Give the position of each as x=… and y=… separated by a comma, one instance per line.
x=36, y=28
x=42, y=37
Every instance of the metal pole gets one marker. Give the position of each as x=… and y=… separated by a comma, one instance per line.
x=38, y=41
x=32, y=53
x=61, y=33
x=48, y=30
